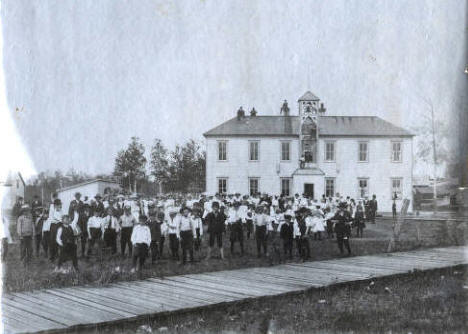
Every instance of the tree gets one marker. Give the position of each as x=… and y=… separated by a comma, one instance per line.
x=130, y=164
x=159, y=164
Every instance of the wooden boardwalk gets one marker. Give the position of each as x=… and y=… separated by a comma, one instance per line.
x=74, y=307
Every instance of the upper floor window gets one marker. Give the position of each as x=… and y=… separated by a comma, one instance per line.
x=285, y=150
x=253, y=150
x=329, y=151
x=363, y=155
x=396, y=151
x=222, y=150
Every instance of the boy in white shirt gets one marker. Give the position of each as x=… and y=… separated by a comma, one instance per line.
x=141, y=241
x=94, y=230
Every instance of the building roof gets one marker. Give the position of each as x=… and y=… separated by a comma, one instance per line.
x=308, y=96
x=288, y=126
x=85, y=183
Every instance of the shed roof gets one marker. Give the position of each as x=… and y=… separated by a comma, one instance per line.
x=85, y=183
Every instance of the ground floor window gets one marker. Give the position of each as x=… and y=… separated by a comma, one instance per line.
x=329, y=187
x=286, y=186
x=397, y=185
x=222, y=185
x=253, y=186
x=363, y=187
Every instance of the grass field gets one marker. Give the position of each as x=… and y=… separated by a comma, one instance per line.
x=419, y=302
x=100, y=271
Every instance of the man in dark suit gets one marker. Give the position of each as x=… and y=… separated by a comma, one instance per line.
x=372, y=209
x=75, y=204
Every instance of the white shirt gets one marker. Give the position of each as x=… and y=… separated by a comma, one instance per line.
x=141, y=234
x=235, y=215
x=94, y=222
x=262, y=219
x=197, y=223
x=172, y=225
x=127, y=221
x=185, y=224
x=111, y=222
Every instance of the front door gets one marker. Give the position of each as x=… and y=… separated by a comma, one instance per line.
x=309, y=190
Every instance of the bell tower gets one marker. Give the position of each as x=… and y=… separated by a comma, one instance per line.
x=309, y=112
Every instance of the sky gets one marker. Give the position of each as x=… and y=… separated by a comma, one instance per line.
x=82, y=77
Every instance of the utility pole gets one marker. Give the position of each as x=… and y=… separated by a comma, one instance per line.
x=435, y=158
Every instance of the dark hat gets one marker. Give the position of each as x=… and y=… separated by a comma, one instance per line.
x=77, y=194
x=343, y=205
x=236, y=203
x=215, y=205
x=143, y=218
x=57, y=201
x=97, y=196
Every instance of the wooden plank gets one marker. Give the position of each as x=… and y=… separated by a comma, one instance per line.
x=312, y=280
x=87, y=293
x=355, y=269
x=185, y=292
x=268, y=277
x=14, y=325
x=263, y=288
x=182, y=282
x=333, y=271
x=36, y=322
x=141, y=299
x=200, y=281
x=68, y=318
x=131, y=300
x=249, y=281
x=91, y=304
x=160, y=295
x=92, y=315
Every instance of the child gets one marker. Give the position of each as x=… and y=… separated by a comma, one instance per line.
x=141, y=241
x=111, y=227
x=359, y=219
x=67, y=243
x=198, y=225
x=26, y=230
x=38, y=222
x=94, y=230
x=287, y=235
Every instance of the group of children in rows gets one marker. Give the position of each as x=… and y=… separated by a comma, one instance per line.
x=143, y=225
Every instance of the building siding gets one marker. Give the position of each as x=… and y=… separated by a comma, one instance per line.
x=345, y=169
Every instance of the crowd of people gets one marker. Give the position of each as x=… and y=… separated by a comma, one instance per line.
x=142, y=226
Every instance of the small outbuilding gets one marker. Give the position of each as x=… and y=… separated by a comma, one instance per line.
x=86, y=189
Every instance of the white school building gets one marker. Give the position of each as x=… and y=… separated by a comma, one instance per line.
x=311, y=154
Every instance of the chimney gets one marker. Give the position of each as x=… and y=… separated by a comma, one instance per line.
x=253, y=112
x=322, y=109
x=284, y=109
x=240, y=114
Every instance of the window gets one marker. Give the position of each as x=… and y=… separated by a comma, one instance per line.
x=330, y=151
x=396, y=151
x=222, y=151
x=329, y=187
x=363, y=152
x=286, y=186
x=285, y=145
x=253, y=186
x=363, y=188
x=222, y=185
x=253, y=150
x=396, y=188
